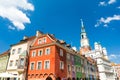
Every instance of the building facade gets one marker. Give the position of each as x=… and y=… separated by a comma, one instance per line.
x=17, y=64
x=47, y=59
x=4, y=57
x=53, y=59
x=99, y=54
x=116, y=70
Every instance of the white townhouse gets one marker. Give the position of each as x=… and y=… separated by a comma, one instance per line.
x=17, y=64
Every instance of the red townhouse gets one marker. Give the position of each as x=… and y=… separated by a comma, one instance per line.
x=47, y=58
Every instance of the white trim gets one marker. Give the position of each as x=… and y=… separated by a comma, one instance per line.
x=61, y=65
x=39, y=51
x=61, y=52
x=44, y=64
x=33, y=66
x=37, y=65
x=32, y=53
x=46, y=51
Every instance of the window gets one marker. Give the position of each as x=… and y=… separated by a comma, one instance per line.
x=61, y=65
x=32, y=66
x=69, y=68
x=39, y=41
x=13, y=51
x=68, y=56
x=47, y=64
x=22, y=61
x=19, y=50
x=33, y=53
x=61, y=52
x=16, y=62
x=73, y=68
x=44, y=40
x=11, y=63
x=47, y=51
x=40, y=52
x=39, y=65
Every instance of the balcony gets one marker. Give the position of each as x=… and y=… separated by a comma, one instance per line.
x=20, y=68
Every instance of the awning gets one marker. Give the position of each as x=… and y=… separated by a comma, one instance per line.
x=8, y=75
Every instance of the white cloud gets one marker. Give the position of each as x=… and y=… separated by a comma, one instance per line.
x=12, y=10
x=118, y=7
x=107, y=20
x=114, y=58
x=11, y=27
x=111, y=1
x=103, y=3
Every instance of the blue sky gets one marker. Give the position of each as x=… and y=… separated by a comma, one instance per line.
x=62, y=18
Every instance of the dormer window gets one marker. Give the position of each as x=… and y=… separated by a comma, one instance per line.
x=42, y=40
x=39, y=41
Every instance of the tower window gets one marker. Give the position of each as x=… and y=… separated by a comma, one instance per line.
x=82, y=36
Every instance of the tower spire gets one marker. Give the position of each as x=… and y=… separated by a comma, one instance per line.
x=84, y=39
x=82, y=27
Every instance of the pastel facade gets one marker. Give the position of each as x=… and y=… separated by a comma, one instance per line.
x=17, y=64
x=116, y=70
x=4, y=57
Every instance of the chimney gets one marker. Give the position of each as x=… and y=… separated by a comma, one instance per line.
x=25, y=37
x=38, y=33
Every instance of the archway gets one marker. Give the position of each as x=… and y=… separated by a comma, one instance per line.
x=58, y=78
x=48, y=78
x=69, y=78
x=73, y=78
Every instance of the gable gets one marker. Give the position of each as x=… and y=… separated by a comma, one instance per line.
x=45, y=39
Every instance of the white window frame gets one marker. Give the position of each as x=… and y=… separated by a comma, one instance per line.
x=61, y=65
x=33, y=66
x=22, y=63
x=40, y=41
x=11, y=64
x=61, y=52
x=37, y=65
x=19, y=50
x=39, y=52
x=16, y=62
x=69, y=68
x=32, y=53
x=68, y=56
x=44, y=39
x=46, y=51
x=45, y=64
x=13, y=51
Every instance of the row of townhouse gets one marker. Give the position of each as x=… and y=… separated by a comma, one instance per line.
x=43, y=57
x=116, y=70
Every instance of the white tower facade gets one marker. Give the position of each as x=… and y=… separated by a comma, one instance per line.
x=84, y=39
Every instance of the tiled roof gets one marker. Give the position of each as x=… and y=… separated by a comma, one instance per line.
x=5, y=53
x=23, y=41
